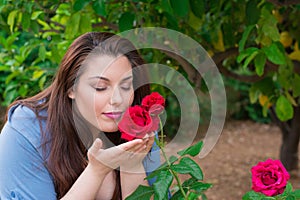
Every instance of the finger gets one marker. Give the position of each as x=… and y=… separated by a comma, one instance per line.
x=146, y=137
x=97, y=145
x=131, y=145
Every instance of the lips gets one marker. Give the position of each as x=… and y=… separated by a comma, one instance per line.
x=113, y=115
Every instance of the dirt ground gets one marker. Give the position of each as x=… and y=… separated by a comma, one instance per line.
x=241, y=145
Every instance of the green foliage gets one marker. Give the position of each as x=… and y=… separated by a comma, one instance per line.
x=288, y=194
x=191, y=189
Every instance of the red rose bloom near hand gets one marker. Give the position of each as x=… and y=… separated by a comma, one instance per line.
x=269, y=177
x=154, y=103
x=136, y=123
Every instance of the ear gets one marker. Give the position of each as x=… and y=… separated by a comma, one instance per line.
x=71, y=94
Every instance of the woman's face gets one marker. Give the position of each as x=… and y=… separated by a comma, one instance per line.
x=104, y=91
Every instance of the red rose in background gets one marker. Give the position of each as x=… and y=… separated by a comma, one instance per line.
x=154, y=103
x=136, y=123
x=269, y=177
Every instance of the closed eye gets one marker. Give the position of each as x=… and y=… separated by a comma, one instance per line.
x=98, y=89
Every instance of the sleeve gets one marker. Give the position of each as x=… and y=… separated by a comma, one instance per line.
x=22, y=171
x=152, y=161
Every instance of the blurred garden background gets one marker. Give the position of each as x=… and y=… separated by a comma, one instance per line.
x=254, y=43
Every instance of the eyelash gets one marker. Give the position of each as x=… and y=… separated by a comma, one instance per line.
x=100, y=89
x=104, y=88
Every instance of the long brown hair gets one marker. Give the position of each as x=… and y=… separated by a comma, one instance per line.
x=66, y=157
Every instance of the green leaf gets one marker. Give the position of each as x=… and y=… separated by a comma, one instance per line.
x=290, y=198
x=80, y=4
x=198, y=7
x=250, y=58
x=275, y=53
x=259, y=63
x=180, y=8
x=25, y=20
x=265, y=86
x=192, y=150
x=162, y=184
x=296, y=86
x=11, y=39
x=85, y=24
x=36, y=14
x=72, y=26
x=165, y=6
x=162, y=167
x=200, y=187
x=268, y=24
x=284, y=109
x=245, y=53
x=193, y=196
x=188, y=166
x=296, y=193
x=11, y=19
x=253, y=196
x=42, y=52
x=245, y=37
x=252, y=12
x=11, y=76
x=177, y=196
x=37, y=74
x=290, y=98
x=34, y=26
x=10, y=96
x=23, y=90
x=126, y=21
x=42, y=82
x=142, y=192
x=157, y=172
x=288, y=188
x=99, y=7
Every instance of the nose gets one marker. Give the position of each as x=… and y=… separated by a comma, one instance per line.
x=116, y=97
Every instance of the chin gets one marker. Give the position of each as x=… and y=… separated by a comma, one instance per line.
x=109, y=129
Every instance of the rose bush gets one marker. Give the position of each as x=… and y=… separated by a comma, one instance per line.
x=270, y=181
x=140, y=120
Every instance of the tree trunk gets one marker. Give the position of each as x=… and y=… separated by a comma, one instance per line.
x=290, y=139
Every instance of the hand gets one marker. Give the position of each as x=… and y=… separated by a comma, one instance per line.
x=105, y=160
x=134, y=162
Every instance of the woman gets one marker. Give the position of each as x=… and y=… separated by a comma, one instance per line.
x=43, y=145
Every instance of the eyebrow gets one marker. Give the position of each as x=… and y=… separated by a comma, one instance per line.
x=106, y=79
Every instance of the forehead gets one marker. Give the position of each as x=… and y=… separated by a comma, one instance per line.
x=107, y=66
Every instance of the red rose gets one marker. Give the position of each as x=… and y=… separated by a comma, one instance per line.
x=269, y=177
x=154, y=103
x=135, y=123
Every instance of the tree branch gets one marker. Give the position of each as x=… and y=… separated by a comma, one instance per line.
x=218, y=58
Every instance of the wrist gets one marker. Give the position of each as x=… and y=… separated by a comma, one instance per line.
x=97, y=171
x=133, y=168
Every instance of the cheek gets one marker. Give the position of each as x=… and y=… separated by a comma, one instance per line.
x=99, y=102
x=130, y=98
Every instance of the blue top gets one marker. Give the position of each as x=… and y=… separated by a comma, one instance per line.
x=22, y=171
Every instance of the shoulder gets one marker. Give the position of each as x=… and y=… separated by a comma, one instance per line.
x=23, y=120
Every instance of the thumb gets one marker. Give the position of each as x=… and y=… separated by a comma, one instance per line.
x=97, y=145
